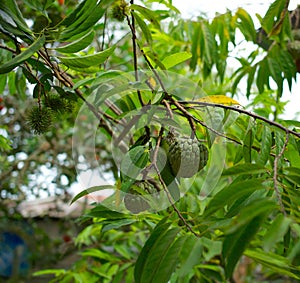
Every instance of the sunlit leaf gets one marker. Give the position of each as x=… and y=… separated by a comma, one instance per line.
x=219, y=99
x=144, y=27
x=246, y=24
x=175, y=59
x=91, y=190
x=150, y=15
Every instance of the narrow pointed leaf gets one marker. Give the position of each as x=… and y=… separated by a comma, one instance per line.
x=23, y=56
x=232, y=192
x=266, y=145
x=169, y=261
x=143, y=26
x=235, y=244
x=275, y=262
x=175, y=59
x=242, y=169
x=219, y=99
x=147, y=13
x=87, y=60
x=78, y=44
x=155, y=260
x=91, y=190
x=149, y=247
x=11, y=8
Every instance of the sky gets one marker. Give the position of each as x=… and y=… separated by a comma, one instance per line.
x=190, y=8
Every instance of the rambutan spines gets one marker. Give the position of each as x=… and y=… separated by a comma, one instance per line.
x=39, y=119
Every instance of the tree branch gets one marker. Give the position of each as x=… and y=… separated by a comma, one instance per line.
x=253, y=115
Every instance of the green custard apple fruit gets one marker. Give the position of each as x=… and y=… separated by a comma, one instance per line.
x=135, y=200
x=187, y=156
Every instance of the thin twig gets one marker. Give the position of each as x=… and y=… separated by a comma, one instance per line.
x=253, y=115
x=134, y=48
x=173, y=204
x=275, y=175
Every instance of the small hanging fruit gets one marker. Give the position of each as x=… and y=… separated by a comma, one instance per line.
x=135, y=200
x=39, y=119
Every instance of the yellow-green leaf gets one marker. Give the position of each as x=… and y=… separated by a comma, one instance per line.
x=175, y=59
x=219, y=99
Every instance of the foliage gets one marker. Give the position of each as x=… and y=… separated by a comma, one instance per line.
x=135, y=74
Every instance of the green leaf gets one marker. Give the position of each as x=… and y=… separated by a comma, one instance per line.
x=78, y=44
x=235, y=244
x=169, y=259
x=158, y=232
x=5, y=144
x=56, y=272
x=250, y=79
x=275, y=262
x=84, y=19
x=190, y=255
x=100, y=211
x=276, y=72
x=266, y=146
x=175, y=59
x=207, y=48
x=134, y=161
x=158, y=249
x=232, y=192
x=150, y=15
x=247, y=145
x=99, y=254
x=242, y=169
x=91, y=190
x=251, y=210
x=14, y=15
x=73, y=17
x=23, y=56
x=273, y=13
x=262, y=76
x=144, y=27
x=246, y=25
x=114, y=225
x=276, y=231
x=195, y=47
x=86, y=61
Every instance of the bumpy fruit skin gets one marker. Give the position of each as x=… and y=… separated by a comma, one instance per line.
x=134, y=200
x=187, y=156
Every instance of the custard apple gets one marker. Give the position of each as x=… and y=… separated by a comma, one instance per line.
x=134, y=200
x=187, y=156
